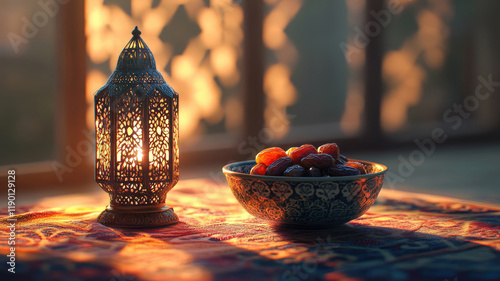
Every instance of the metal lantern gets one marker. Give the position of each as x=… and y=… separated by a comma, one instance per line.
x=137, y=149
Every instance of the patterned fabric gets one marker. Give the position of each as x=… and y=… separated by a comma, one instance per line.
x=403, y=236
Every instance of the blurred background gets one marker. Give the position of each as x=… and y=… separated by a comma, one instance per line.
x=377, y=77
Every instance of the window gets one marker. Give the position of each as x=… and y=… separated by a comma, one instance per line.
x=433, y=59
x=197, y=48
x=48, y=145
x=252, y=74
x=306, y=75
x=27, y=112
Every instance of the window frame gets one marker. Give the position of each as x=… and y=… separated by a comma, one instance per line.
x=70, y=112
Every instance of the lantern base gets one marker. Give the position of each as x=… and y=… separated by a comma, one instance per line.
x=138, y=216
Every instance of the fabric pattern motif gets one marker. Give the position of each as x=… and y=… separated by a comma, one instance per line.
x=404, y=236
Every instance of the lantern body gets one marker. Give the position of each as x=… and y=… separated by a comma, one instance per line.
x=137, y=131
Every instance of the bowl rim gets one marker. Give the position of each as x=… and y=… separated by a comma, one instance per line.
x=227, y=172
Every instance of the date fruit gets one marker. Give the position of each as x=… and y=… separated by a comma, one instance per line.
x=343, y=158
x=259, y=169
x=306, y=161
x=319, y=161
x=330, y=148
x=290, y=150
x=269, y=155
x=340, y=161
x=301, y=152
x=341, y=171
x=279, y=166
x=295, y=171
x=313, y=172
x=358, y=166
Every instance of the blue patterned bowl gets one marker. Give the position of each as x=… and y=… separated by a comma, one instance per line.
x=304, y=202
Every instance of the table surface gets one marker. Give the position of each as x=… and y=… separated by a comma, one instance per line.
x=404, y=236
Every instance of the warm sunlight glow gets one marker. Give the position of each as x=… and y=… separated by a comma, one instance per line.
x=404, y=75
x=183, y=67
x=354, y=105
x=276, y=22
x=199, y=71
x=223, y=60
x=351, y=121
x=210, y=24
x=278, y=87
x=279, y=90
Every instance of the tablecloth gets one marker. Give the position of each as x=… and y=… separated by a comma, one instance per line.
x=404, y=236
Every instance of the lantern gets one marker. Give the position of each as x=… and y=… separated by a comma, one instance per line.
x=137, y=131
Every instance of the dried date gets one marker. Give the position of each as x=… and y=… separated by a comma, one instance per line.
x=319, y=161
x=341, y=171
x=331, y=149
x=306, y=160
x=269, y=155
x=343, y=158
x=279, y=166
x=290, y=150
x=259, y=169
x=358, y=166
x=313, y=172
x=340, y=161
x=301, y=152
x=295, y=171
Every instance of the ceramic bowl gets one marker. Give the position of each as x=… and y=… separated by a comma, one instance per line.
x=305, y=202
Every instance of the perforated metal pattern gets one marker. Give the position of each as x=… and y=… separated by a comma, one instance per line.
x=136, y=119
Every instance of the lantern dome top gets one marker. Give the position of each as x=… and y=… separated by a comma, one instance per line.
x=136, y=54
x=136, y=69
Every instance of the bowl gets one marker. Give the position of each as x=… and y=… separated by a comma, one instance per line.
x=305, y=202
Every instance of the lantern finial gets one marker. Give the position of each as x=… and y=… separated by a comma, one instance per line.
x=136, y=32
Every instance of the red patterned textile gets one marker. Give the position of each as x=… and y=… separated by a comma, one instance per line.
x=405, y=236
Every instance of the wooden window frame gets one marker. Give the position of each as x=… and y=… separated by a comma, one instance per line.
x=70, y=108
